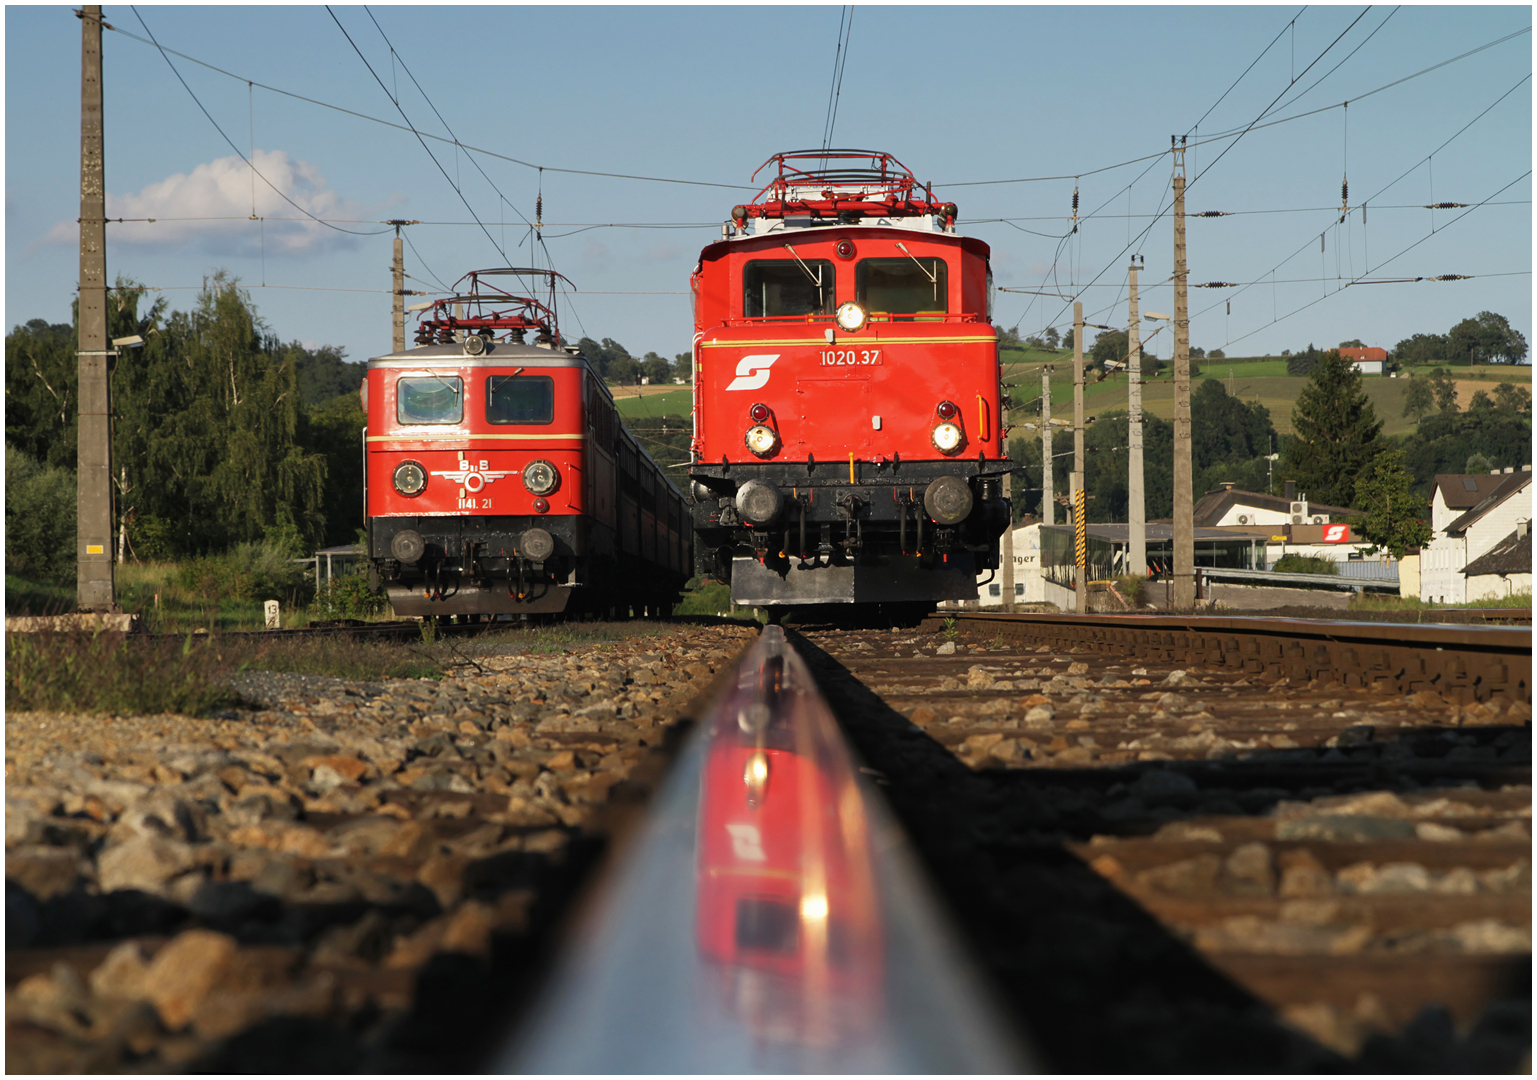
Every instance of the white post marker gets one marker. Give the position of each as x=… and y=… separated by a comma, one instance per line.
x=273, y=621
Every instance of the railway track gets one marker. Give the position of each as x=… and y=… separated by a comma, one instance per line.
x=1164, y=861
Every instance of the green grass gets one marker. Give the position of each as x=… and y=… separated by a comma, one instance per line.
x=1366, y=602
x=1520, y=374
x=112, y=673
x=675, y=402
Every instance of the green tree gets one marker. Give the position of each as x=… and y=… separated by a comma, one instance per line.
x=325, y=372
x=39, y=518
x=1421, y=349
x=1391, y=519
x=1302, y=363
x=1512, y=398
x=1225, y=429
x=1052, y=338
x=1445, y=391
x=1110, y=345
x=40, y=378
x=1067, y=338
x=1353, y=343
x=683, y=366
x=656, y=369
x=1337, y=431
x=1419, y=400
x=1217, y=354
x=1487, y=338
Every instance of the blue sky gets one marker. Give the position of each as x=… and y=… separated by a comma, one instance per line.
x=962, y=95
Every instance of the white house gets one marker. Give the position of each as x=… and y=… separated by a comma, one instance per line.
x=1470, y=516
x=1297, y=526
x=1504, y=569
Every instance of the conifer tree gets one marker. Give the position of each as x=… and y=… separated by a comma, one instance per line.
x=1336, y=430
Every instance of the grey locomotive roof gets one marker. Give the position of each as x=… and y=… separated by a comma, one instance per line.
x=497, y=354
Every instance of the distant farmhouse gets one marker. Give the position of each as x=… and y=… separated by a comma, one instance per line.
x=1368, y=360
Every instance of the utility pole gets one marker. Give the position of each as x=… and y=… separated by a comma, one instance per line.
x=1008, y=545
x=94, y=576
x=1079, y=521
x=398, y=308
x=1136, y=562
x=1184, y=497
x=1048, y=488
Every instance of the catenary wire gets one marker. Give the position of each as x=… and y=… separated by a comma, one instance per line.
x=225, y=136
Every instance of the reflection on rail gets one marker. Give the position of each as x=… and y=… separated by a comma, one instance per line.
x=769, y=919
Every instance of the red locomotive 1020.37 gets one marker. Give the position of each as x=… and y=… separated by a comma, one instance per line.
x=848, y=421
x=499, y=479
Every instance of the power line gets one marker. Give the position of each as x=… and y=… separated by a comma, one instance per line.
x=840, y=60
x=220, y=130
x=418, y=135
x=402, y=127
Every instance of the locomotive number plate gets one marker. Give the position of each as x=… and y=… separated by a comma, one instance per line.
x=850, y=357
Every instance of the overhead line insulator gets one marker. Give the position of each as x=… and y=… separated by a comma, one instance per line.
x=1445, y=205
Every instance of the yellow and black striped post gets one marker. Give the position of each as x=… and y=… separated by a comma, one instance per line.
x=1080, y=539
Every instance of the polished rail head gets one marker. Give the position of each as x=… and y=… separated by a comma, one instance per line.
x=769, y=918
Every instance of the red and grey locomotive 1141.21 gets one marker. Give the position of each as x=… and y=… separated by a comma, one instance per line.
x=499, y=479
x=848, y=441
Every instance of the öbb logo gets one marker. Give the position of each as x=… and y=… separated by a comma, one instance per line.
x=1336, y=534
x=752, y=372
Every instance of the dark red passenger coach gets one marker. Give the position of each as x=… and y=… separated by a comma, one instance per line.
x=849, y=442
x=499, y=478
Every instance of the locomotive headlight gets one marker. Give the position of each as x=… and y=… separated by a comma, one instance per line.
x=850, y=316
x=410, y=479
x=540, y=477
x=755, y=777
x=762, y=440
x=947, y=438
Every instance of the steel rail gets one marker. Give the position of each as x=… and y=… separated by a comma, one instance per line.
x=1462, y=663
x=768, y=917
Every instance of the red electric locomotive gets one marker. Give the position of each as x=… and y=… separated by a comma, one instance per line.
x=499, y=479
x=848, y=440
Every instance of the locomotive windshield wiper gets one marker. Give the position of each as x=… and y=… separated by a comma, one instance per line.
x=932, y=275
x=816, y=278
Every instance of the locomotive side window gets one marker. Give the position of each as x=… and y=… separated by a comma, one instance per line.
x=787, y=287
x=432, y=399
x=908, y=286
x=520, y=399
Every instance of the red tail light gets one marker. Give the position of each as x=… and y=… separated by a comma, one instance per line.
x=947, y=410
x=759, y=413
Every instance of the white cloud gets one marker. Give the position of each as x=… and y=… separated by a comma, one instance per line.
x=211, y=206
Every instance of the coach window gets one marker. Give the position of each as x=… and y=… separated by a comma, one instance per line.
x=520, y=399
x=911, y=285
x=773, y=287
x=430, y=399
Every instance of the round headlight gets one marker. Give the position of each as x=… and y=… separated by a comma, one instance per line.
x=761, y=439
x=947, y=438
x=410, y=479
x=540, y=477
x=850, y=316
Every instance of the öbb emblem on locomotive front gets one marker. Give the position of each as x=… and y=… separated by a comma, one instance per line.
x=473, y=475
x=752, y=372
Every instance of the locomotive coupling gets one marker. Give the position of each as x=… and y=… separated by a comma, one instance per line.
x=759, y=502
x=948, y=500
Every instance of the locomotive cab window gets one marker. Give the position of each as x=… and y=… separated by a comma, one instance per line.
x=429, y=399
x=520, y=399
x=787, y=287
x=906, y=286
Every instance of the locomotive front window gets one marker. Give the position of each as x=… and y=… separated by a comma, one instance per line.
x=520, y=399
x=912, y=285
x=787, y=287
x=433, y=399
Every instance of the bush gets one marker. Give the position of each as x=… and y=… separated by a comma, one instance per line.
x=348, y=597
x=1132, y=587
x=705, y=597
x=263, y=570
x=39, y=518
x=1305, y=564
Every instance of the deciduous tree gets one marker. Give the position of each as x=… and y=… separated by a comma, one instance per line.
x=1419, y=399
x=1391, y=517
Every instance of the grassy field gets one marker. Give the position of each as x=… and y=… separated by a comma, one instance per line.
x=657, y=401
